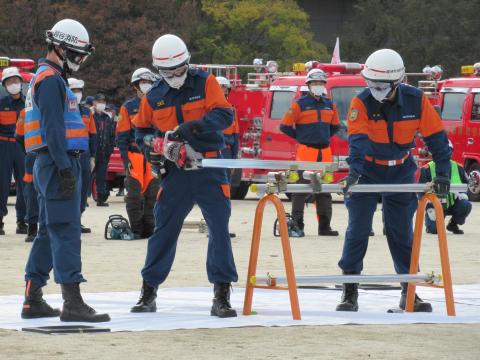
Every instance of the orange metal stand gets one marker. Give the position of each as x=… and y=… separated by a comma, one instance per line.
x=442, y=243
x=289, y=268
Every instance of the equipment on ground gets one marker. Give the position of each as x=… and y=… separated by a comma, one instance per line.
x=118, y=228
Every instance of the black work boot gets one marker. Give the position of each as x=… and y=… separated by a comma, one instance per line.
x=31, y=232
x=2, y=231
x=324, y=228
x=453, y=227
x=85, y=230
x=147, y=302
x=21, y=227
x=74, y=309
x=349, y=301
x=35, y=306
x=221, y=302
x=418, y=306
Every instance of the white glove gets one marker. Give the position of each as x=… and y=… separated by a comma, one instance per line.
x=462, y=196
x=431, y=214
x=92, y=163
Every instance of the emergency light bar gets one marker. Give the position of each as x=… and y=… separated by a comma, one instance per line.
x=24, y=64
x=344, y=68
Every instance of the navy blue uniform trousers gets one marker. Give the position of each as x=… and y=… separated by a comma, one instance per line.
x=101, y=169
x=30, y=194
x=12, y=161
x=179, y=191
x=57, y=244
x=86, y=179
x=398, y=210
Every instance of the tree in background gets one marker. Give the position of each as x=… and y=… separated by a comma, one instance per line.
x=441, y=32
x=123, y=32
x=236, y=32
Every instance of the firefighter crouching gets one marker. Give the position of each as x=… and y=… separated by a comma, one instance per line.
x=13, y=157
x=193, y=101
x=141, y=185
x=29, y=193
x=55, y=131
x=456, y=205
x=382, y=123
x=87, y=158
x=312, y=120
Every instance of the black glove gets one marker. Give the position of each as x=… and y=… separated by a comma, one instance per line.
x=66, y=184
x=185, y=131
x=348, y=181
x=441, y=185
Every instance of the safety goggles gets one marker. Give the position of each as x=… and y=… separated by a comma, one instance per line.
x=170, y=73
x=76, y=57
x=379, y=85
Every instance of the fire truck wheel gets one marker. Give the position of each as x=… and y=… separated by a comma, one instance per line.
x=239, y=192
x=474, y=167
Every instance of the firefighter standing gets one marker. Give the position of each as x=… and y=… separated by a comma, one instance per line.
x=56, y=132
x=142, y=186
x=29, y=192
x=105, y=125
x=457, y=205
x=13, y=157
x=87, y=158
x=312, y=120
x=232, y=133
x=382, y=123
x=192, y=100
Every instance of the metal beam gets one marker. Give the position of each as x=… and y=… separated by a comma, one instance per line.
x=338, y=279
x=363, y=188
x=268, y=164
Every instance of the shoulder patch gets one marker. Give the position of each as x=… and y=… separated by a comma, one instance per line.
x=353, y=115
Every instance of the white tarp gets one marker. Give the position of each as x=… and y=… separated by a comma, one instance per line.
x=189, y=308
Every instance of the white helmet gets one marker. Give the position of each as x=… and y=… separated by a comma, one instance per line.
x=75, y=83
x=143, y=74
x=71, y=35
x=476, y=68
x=169, y=52
x=384, y=65
x=223, y=81
x=316, y=75
x=10, y=72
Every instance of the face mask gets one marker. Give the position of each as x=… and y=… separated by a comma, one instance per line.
x=176, y=82
x=317, y=90
x=78, y=95
x=100, y=106
x=145, y=87
x=72, y=66
x=379, y=90
x=14, y=89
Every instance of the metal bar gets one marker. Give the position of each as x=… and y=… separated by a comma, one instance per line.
x=334, y=279
x=337, y=188
x=268, y=164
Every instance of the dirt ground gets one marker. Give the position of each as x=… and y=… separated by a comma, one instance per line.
x=115, y=266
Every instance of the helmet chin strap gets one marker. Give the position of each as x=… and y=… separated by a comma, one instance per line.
x=66, y=70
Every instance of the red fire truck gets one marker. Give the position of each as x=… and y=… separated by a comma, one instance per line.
x=261, y=104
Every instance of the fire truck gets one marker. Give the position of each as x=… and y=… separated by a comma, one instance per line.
x=460, y=110
x=261, y=104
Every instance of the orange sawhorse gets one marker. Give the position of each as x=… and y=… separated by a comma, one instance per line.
x=290, y=272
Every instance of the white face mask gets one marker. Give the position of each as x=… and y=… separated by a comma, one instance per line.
x=100, y=106
x=145, y=87
x=317, y=90
x=176, y=82
x=78, y=95
x=14, y=89
x=379, y=90
x=72, y=66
